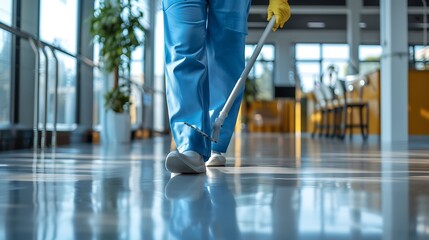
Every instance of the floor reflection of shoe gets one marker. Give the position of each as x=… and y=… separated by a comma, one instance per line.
x=185, y=186
x=215, y=176
x=216, y=159
x=188, y=162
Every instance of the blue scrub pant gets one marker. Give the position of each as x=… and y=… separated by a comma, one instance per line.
x=204, y=57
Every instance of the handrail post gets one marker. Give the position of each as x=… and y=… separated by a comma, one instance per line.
x=35, y=48
x=37, y=45
x=54, y=131
x=45, y=98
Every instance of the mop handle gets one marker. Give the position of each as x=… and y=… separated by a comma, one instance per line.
x=241, y=81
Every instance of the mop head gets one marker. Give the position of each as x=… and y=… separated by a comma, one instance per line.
x=201, y=132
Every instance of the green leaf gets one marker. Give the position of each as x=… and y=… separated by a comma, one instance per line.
x=115, y=25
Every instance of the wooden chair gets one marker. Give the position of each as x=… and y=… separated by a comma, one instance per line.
x=322, y=108
x=329, y=110
x=344, y=119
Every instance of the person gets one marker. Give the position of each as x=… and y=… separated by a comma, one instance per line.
x=204, y=58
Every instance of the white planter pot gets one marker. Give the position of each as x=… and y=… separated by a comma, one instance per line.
x=118, y=128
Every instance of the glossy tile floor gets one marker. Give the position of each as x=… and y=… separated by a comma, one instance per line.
x=273, y=187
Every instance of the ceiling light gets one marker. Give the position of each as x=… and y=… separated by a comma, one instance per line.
x=316, y=24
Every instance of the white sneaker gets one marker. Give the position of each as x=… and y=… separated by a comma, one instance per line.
x=216, y=159
x=187, y=162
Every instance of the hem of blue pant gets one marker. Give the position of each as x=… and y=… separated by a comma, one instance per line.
x=219, y=148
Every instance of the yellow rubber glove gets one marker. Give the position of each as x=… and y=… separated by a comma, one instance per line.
x=281, y=9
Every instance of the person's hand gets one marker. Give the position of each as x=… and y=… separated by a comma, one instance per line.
x=281, y=9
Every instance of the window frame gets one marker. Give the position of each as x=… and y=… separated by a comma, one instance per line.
x=412, y=57
x=259, y=60
x=69, y=124
x=12, y=81
x=321, y=60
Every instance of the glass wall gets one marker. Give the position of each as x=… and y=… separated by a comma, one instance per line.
x=137, y=73
x=98, y=92
x=308, y=64
x=58, y=26
x=100, y=82
x=419, y=57
x=313, y=60
x=137, y=96
x=369, y=56
x=262, y=72
x=336, y=56
x=5, y=63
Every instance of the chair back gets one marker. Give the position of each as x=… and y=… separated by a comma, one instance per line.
x=318, y=94
x=340, y=91
x=327, y=92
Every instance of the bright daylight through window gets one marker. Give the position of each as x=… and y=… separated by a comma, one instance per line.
x=313, y=60
x=64, y=35
x=5, y=63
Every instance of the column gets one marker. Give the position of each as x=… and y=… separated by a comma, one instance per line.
x=394, y=70
x=160, y=114
x=85, y=75
x=29, y=22
x=284, y=58
x=149, y=66
x=353, y=34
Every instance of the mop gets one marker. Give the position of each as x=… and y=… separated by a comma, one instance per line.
x=237, y=88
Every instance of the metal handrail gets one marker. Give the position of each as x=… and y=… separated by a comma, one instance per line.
x=36, y=45
x=18, y=32
x=45, y=98
x=54, y=131
x=35, y=48
x=144, y=89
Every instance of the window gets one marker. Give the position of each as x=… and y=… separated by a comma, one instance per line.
x=138, y=98
x=5, y=63
x=369, y=57
x=309, y=73
x=307, y=52
x=99, y=86
x=136, y=75
x=336, y=55
x=420, y=55
x=312, y=61
x=58, y=26
x=308, y=64
x=263, y=71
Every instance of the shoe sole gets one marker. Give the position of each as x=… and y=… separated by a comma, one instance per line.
x=215, y=163
x=175, y=163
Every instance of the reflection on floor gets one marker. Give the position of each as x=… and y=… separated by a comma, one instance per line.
x=273, y=187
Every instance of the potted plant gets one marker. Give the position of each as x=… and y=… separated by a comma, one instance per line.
x=116, y=27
